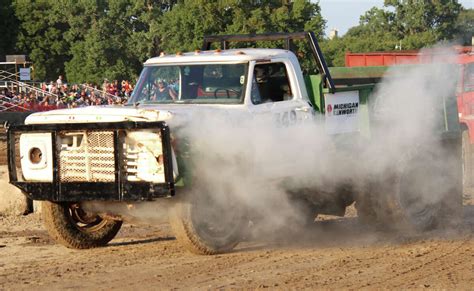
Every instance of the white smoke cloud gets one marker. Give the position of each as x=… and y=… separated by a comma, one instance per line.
x=258, y=161
x=246, y=159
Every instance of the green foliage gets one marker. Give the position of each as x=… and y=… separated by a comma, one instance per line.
x=183, y=28
x=402, y=24
x=88, y=40
x=110, y=41
x=414, y=16
x=8, y=28
x=465, y=26
x=92, y=40
x=334, y=51
x=41, y=36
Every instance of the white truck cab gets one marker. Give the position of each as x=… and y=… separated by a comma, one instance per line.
x=260, y=81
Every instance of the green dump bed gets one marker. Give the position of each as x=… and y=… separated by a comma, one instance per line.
x=364, y=80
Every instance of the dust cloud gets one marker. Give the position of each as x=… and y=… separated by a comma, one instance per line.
x=284, y=176
x=408, y=122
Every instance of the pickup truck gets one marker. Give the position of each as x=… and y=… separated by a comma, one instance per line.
x=158, y=150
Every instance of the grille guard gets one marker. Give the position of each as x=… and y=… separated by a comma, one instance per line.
x=119, y=190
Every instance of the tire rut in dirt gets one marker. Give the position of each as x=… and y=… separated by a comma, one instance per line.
x=418, y=267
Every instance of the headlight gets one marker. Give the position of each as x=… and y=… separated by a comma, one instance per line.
x=36, y=157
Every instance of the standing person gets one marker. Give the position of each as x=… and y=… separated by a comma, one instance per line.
x=118, y=88
x=50, y=86
x=127, y=88
x=123, y=89
x=105, y=85
x=59, y=81
x=111, y=89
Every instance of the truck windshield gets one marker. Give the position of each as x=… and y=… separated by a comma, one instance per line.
x=206, y=84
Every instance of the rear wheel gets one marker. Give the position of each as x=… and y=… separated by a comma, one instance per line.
x=419, y=197
x=424, y=195
x=205, y=226
x=71, y=226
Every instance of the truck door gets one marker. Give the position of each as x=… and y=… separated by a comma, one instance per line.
x=276, y=98
x=275, y=94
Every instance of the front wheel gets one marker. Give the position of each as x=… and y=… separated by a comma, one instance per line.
x=71, y=226
x=204, y=226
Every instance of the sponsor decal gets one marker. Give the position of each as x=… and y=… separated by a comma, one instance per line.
x=346, y=108
x=342, y=112
x=329, y=109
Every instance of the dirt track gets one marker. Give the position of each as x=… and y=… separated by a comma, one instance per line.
x=337, y=253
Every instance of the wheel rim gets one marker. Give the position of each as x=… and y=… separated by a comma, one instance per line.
x=84, y=221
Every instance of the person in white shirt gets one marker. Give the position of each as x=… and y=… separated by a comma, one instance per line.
x=59, y=81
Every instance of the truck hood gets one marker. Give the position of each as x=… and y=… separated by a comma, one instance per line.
x=98, y=114
x=175, y=115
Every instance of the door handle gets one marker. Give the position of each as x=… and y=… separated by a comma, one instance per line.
x=302, y=109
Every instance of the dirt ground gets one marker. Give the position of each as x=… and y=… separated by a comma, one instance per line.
x=337, y=253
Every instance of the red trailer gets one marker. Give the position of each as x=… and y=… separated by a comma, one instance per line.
x=399, y=57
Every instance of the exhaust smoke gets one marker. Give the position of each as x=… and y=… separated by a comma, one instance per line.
x=248, y=159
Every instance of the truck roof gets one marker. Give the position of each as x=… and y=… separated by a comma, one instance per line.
x=231, y=55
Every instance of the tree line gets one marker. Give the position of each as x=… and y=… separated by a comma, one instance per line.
x=89, y=40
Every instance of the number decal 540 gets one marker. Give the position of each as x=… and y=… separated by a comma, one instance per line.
x=287, y=118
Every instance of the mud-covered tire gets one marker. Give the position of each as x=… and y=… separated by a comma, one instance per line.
x=69, y=225
x=205, y=228
x=424, y=195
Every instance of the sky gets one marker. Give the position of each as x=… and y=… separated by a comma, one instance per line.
x=343, y=14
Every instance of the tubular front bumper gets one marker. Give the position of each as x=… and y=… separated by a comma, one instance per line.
x=118, y=190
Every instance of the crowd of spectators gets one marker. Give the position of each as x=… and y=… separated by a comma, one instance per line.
x=58, y=94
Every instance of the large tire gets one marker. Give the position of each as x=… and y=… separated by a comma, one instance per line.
x=424, y=194
x=206, y=227
x=69, y=225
